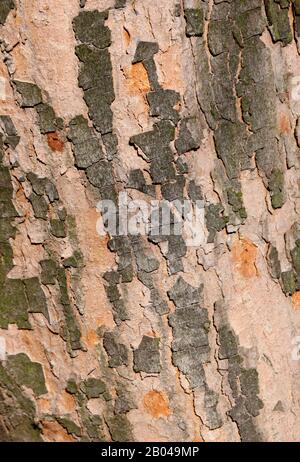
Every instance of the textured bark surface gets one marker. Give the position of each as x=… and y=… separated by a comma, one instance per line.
x=148, y=339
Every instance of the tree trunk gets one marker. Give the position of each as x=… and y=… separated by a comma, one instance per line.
x=153, y=336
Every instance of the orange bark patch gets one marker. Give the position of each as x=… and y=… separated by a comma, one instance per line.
x=44, y=405
x=66, y=403
x=284, y=124
x=23, y=202
x=157, y=404
x=91, y=338
x=54, y=142
x=126, y=37
x=54, y=432
x=296, y=300
x=244, y=254
x=171, y=71
x=198, y=439
x=98, y=260
x=151, y=333
x=138, y=79
x=94, y=244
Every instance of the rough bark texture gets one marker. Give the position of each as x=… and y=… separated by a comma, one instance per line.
x=136, y=339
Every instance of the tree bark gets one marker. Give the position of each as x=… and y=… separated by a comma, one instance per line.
x=127, y=337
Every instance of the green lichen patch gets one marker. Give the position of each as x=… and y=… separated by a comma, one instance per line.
x=73, y=330
x=27, y=373
x=228, y=343
x=36, y=298
x=120, y=4
x=31, y=93
x=146, y=357
x=230, y=140
x=155, y=146
x=110, y=141
x=95, y=70
x=49, y=271
x=89, y=28
x=39, y=205
x=75, y=261
x=247, y=429
x=274, y=262
x=189, y=135
x=62, y=213
x=6, y=258
x=244, y=384
x=79, y=130
x=58, y=228
x=295, y=255
x=250, y=389
x=17, y=412
x=296, y=5
x=17, y=297
x=37, y=184
x=220, y=36
x=68, y=424
x=190, y=324
x=276, y=187
x=124, y=402
x=95, y=74
x=117, y=352
x=5, y=7
x=87, y=149
x=48, y=122
x=42, y=186
x=20, y=408
x=296, y=10
x=145, y=51
x=112, y=277
x=10, y=135
x=100, y=108
x=289, y=282
x=13, y=304
x=215, y=220
x=62, y=281
x=8, y=125
x=93, y=388
x=162, y=104
x=183, y=294
x=278, y=18
x=94, y=426
x=194, y=22
x=213, y=418
x=235, y=199
x=7, y=230
x=26, y=431
x=113, y=293
x=7, y=209
x=72, y=387
x=120, y=428
x=120, y=312
x=251, y=22
x=73, y=333
x=100, y=175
